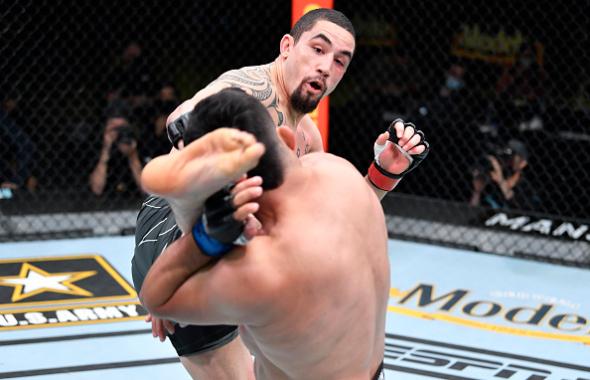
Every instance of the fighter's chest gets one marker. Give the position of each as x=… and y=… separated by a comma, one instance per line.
x=303, y=138
x=303, y=142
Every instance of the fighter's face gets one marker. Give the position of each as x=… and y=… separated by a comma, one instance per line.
x=316, y=64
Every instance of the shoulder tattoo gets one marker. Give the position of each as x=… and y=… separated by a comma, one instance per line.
x=256, y=81
x=252, y=79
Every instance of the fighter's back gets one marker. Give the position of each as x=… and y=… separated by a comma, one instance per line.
x=330, y=253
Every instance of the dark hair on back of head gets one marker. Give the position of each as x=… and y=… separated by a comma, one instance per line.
x=308, y=20
x=233, y=108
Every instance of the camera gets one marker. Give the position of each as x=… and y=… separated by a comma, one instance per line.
x=481, y=168
x=125, y=135
x=504, y=154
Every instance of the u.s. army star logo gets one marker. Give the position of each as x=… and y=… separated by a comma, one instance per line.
x=67, y=290
x=32, y=281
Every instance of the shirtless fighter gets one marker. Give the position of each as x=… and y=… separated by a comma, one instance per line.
x=310, y=295
x=313, y=58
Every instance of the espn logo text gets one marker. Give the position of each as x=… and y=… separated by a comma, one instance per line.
x=447, y=361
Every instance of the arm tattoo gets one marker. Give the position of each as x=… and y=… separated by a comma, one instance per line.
x=256, y=81
x=252, y=79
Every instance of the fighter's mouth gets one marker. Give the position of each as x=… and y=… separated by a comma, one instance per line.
x=316, y=85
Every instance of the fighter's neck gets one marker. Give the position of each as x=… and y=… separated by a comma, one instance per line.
x=275, y=205
x=277, y=76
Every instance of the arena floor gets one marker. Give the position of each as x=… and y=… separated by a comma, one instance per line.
x=68, y=312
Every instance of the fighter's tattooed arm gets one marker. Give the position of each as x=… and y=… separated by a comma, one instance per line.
x=255, y=81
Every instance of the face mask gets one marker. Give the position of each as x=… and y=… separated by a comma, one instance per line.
x=453, y=83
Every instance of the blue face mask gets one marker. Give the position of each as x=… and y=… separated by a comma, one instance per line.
x=453, y=83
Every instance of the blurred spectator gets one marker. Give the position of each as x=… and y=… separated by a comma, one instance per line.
x=396, y=88
x=498, y=179
x=16, y=149
x=131, y=79
x=581, y=101
x=118, y=169
x=451, y=102
x=154, y=140
x=454, y=81
x=520, y=90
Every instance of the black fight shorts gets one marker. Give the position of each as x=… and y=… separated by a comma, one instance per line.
x=193, y=339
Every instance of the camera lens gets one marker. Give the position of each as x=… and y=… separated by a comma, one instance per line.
x=125, y=135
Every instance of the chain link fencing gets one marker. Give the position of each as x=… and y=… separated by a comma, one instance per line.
x=500, y=89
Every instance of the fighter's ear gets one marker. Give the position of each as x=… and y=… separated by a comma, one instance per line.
x=287, y=135
x=287, y=43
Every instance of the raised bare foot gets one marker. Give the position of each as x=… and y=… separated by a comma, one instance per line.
x=203, y=166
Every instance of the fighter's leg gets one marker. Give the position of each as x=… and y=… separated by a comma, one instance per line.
x=186, y=178
x=227, y=362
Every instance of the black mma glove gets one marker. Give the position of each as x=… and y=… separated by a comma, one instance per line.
x=216, y=232
x=416, y=158
x=175, y=130
x=381, y=172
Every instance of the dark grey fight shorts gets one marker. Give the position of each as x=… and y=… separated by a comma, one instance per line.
x=156, y=229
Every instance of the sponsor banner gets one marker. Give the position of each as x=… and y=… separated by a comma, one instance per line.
x=520, y=313
x=439, y=360
x=531, y=225
x=500, y=47
x=65, y=316
x=464, y=315
x=63, y=290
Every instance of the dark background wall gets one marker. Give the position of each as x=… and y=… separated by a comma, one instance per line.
x=59, y=60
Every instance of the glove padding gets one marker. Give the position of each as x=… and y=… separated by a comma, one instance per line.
x=216, y=232
x=218, y=213
x=175, y=130
x=415, y=159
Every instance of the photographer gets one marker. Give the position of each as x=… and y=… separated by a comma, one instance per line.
x=118, y=169
x=498, y=179
x=153, y=137
x=16, y=148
